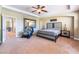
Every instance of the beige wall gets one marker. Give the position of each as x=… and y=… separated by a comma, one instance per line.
x=19, y=19
x=64, y=19
x=76, y=22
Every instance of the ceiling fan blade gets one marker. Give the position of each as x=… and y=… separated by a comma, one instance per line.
x=42, y=7
x=44, y=10
x=38, y=6
x=34, y=10
x=34, y=7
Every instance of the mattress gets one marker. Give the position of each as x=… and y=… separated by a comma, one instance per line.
x=50, y=32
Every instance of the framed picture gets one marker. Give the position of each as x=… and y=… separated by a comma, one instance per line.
x=29, y=22
x=53, y=20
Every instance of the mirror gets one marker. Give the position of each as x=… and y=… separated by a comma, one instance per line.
x=29, y=22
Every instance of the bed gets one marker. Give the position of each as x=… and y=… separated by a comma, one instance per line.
x=51, y=33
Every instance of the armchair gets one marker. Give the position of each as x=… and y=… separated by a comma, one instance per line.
x=28, y=31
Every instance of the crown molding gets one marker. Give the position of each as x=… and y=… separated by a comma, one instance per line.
x=17, y=10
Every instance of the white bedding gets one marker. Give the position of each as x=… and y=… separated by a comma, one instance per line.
x=55, y=31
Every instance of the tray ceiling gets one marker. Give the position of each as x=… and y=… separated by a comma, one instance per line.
x=52, y=9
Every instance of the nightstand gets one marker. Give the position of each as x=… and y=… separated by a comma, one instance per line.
x=65, y=33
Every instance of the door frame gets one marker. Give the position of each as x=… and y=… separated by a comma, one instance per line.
x=12, y=20
x=1, y=30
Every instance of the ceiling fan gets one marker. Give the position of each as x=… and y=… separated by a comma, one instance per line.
x=39, y=9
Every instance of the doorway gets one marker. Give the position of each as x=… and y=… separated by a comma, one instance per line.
x=10, y=27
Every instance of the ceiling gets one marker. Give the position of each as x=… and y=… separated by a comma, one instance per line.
x=52, y=9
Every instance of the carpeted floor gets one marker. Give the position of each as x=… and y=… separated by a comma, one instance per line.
x=38, y=45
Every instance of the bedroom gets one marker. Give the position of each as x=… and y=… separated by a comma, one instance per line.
x=63, y=20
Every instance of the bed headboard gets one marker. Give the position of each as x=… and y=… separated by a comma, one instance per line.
x=57, y=25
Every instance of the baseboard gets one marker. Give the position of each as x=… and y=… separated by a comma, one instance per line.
x=71, y=37
x=75, y=38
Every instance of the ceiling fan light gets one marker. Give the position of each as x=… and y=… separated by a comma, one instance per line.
x=39, y=10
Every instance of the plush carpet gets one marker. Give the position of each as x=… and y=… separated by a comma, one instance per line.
x=38, y=45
